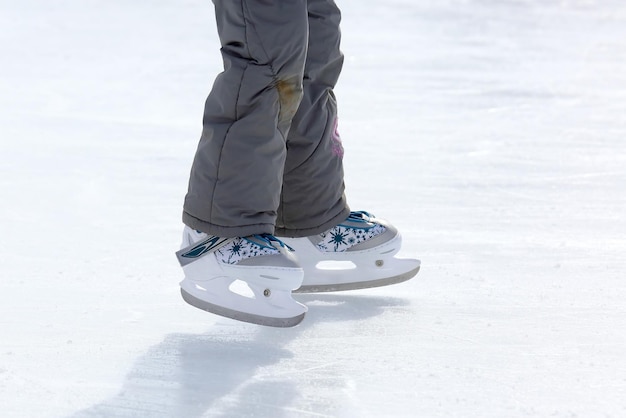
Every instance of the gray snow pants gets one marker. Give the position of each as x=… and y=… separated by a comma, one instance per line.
x=269, y=158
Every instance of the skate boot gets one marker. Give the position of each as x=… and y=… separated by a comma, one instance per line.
x=249, y=279
x=356, y=254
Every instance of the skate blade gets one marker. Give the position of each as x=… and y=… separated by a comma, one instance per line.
x=241, y=316
x=337, y=287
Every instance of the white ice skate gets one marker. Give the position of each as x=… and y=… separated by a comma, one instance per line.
x=249, y=279
x=356, y=254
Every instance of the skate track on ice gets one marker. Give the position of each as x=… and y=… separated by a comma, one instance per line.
x=492, y=133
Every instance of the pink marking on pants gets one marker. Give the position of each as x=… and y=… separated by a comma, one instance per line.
x=335, y=138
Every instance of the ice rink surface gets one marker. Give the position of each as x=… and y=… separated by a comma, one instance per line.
x=492, y=133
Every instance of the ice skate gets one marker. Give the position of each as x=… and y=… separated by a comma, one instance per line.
x=249, y=279
x=356, y=254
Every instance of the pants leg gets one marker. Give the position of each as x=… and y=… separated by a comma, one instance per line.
x=313, y=199
x=237, y=173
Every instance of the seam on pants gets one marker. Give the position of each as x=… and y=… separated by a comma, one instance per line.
x=219, y=159
x=248, y=22
x=315, y=150
x=244, y=7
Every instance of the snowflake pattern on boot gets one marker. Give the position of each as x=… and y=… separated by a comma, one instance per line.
x=342, y=237
x=241, y=248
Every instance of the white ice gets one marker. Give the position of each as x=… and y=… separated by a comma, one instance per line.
x=492, y=133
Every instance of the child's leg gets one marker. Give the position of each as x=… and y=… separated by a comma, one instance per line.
x=237, y=173
x=312, y=200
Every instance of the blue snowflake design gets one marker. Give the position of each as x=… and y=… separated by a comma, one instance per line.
x=342, y=237
x=241, y=248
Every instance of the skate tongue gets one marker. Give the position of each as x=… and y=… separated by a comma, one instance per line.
x=360, y=216
x=267, y=241
x=360, y=220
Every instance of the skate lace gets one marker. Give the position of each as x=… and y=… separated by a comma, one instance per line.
x=270, y=239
